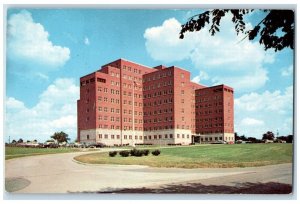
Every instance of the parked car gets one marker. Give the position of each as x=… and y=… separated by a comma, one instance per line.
x=94, y=145
x=219, y=142
x=78, y=145
x=50, y=145
x=31, y=144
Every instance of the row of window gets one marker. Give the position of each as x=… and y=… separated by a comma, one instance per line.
x=117, y=92
x=117, y=101
x=200, y=93
x=158, y=120
x=129, y=77
x=209, y=119
x=216, y=138
x=211, y=125
x=211, y=138
x=160, y=74
x=117, y=119
x=159, y=93
x=136, y=137
x=166, y=136
x=167, y=127
x=153, y=137
x=209, y=112
x=134, y=70
x=159, y=102
x=211, y=132
x=140, y=121
x=117, y=127
x=101, y=80
x=158, y=112
x=206, y=99
x=207, y=105
x=158, y=85
x=106, y=136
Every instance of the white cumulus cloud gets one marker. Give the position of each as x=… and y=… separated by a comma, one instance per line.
x=267, y=101
x=199, y=78
x=256, y=113
x=223, y=57
x=29, y=40
x=163, y=43
x=251, y=122
x=55, y=111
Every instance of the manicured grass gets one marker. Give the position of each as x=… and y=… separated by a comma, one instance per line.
x=202, y=156
x=15, y=152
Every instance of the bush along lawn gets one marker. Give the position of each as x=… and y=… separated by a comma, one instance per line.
x=134, y=153
x=202, y=156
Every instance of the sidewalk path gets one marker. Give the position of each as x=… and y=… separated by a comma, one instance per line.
x=59, y=173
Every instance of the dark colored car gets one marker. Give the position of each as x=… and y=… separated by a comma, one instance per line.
x=94, y=145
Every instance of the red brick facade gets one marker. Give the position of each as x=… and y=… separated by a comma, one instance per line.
x=214, y=113
x=127, y=103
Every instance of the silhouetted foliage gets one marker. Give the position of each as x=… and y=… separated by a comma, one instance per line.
x=268, y=136
x=236, y=136
x=288, y=139
x=60, y=137
x=14, y=141
x=136, y=152
x=276, y=30
x=124, y=153
x=244, y=138
x=156, y=152
x=20, y=140
x=146, y=152
x=113, y=153
x=254, y=140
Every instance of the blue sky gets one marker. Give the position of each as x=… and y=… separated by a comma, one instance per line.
x=48, y=50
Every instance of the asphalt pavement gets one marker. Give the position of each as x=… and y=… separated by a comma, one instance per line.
x=59, y=173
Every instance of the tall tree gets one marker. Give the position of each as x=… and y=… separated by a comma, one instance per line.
x=289, y=139
x=244, y=138
x=268, y=136
x=236, y=136
x=253, y=139
x=276, y=30
x=60, y=137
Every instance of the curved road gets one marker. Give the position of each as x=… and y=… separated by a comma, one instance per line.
x=59, y=173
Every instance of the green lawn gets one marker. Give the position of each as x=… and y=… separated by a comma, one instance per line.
x=15, y=152
x=201, y=156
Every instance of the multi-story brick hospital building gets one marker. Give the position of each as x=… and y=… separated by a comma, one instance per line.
x=128, y=103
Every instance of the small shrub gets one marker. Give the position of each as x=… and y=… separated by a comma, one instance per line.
x=156, y=152
x=113, y=153
x=124, y=153
x=133, y=152
x=145, y=152
x=136, y=152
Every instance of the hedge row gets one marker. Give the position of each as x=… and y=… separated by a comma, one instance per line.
x=134, y=152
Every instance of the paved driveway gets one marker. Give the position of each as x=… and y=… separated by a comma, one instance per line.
x=59, y=173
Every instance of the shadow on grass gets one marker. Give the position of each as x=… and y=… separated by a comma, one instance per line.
x=198, y=188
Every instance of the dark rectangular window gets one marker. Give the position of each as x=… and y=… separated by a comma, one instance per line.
x=101, y=80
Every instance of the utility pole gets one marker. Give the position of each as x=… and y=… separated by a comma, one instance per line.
x=8, y=139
